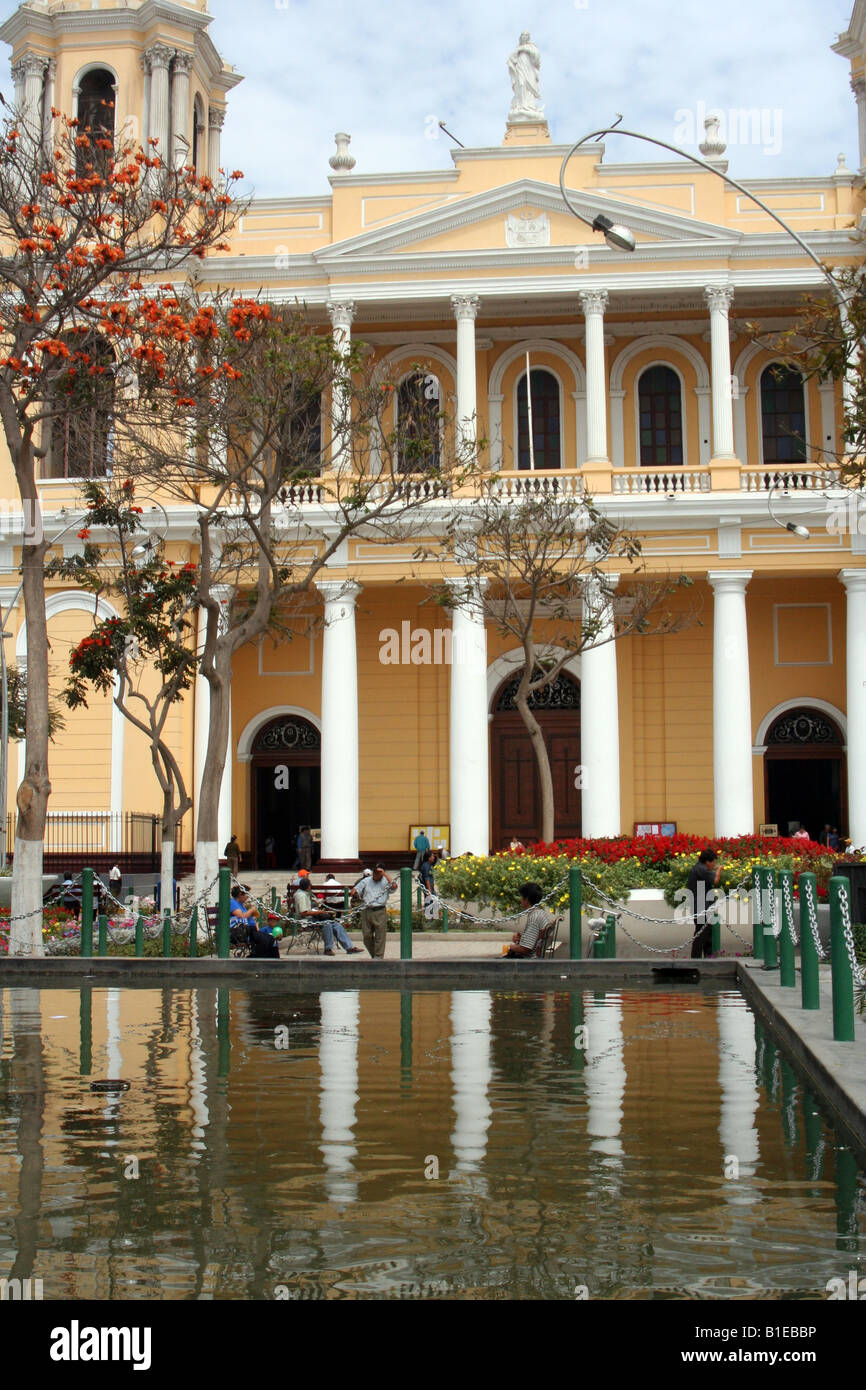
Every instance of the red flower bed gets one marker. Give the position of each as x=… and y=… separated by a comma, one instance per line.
x=660, y=849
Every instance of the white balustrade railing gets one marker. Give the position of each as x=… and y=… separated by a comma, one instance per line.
x=531, y=484
x=644, y=481
x=780, y=480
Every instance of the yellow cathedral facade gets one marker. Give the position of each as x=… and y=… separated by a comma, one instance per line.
x=647, y=391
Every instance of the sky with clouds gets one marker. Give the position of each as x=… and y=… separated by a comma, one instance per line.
x=387, y=72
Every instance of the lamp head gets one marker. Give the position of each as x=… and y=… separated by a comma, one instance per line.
x=615, y=234
x=796, y=530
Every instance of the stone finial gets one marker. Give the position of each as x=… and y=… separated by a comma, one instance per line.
x=841, y=166
x=341, y=161
x=712, y=146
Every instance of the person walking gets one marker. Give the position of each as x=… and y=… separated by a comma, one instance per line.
x=270, y=852
x=232, y=854
x=700, y=886
x=373, y=892
x=431, y=902
x=421, y=845
x=305, y=848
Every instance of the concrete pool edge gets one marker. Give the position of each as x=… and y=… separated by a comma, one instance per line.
x=836, y=1070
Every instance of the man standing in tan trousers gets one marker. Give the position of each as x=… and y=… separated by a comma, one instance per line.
x=374, y=892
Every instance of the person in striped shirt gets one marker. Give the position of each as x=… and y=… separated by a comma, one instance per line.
x=524, y=942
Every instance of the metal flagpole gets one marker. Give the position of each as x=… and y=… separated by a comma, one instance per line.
x=529, y=410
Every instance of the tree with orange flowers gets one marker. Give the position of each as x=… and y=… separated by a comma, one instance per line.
x=91, y=231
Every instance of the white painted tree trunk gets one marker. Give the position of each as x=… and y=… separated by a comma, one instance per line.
x=25, y=936
x=166, y=874
x=207, y=870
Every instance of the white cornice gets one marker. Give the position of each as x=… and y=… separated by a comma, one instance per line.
x=419, y=176
x=486, y=152
x=650, y=167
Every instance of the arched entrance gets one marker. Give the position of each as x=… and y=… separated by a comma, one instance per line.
x=514, y=776
x=805, y=772
x=286, y=785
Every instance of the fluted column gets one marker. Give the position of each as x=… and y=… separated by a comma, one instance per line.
x=145, y=103
x=339, y=722
x=34, y=66
x=719, y=298
x=341, y=315
x=855, y=588
x=466, y=308
x=181, y=144
x=858, y=87
x=733, y=798
x=18, y=76
x=601, y=811
x=594, y=303
x=469, y=776
x=160, y=56
x=47, y=118
x=215, y=121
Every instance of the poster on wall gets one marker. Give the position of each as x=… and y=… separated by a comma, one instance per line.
x=655, y=827
x=438, y=835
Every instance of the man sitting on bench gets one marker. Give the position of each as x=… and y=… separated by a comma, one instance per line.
x=524, y=943
x=331, y=925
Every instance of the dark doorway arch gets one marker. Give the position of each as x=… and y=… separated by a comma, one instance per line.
x=805, y=779
x=514, y=775
x=286, y=787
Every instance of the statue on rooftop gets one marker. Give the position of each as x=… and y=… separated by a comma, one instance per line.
x=524, y=68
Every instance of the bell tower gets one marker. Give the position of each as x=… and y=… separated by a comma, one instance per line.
x=141, y=69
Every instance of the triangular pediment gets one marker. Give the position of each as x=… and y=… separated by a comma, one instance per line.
x=479, y=222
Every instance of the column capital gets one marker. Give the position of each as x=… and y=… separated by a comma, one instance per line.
x=343, y=591
x=159, y=55
x=19, y=72
x=858, y=87
x=465, y=306
x=463, y=588
x=182, y=61
x=32, y=63
x=341, y=313
x=594, y=301
x=216, y=117
x=853, y=580
x=719, y=298
x=729, y=581
x=144, y=62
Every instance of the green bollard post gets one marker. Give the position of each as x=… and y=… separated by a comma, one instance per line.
x=716, y=937
x=166, y=934
x=840, y=965
x=610, y=938
x=345, y=899
x=758, y=914
x=599, y=945
x=771, y=951
x=225, y=891
x=102, y=943
x=85, y=1010
x=406, y=1038
x=444, y=918
x=788, y=975
x=224, y=1043
x=575, y=914
x=810, y=991
x=139, y=935
x=193, y=934
x=405, y=914
x=419, y=900
x=86, y=913
x=273, y=897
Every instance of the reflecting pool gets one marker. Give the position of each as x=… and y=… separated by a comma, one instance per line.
x=273, y=1144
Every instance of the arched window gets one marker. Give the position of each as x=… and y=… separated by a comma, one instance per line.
x=95, y=112
x=660, y=405
x=546, y=449
x=82, y=429
x=418, y=423
x=783, y=415
x=302, y=455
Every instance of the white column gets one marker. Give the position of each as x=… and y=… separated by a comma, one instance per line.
x=471, y=1075
x=733, y=799
x=34, y=66
x=858, y=87
x=160, y=56
x=594, y=303
x=18, y=76
x=47, y=118
x=466, y=308
x=720, y=298
x=855, y=588
x=181, y=143
x=705, y=427
x=341, y=314
x=215, y=121
x=339, y=721
x=338, y=1091
x=617, y=429
x=494, y=414
x=599, y=719
x=469, y=778
x=827, y=392
x=145, y=104
x=741, y=447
